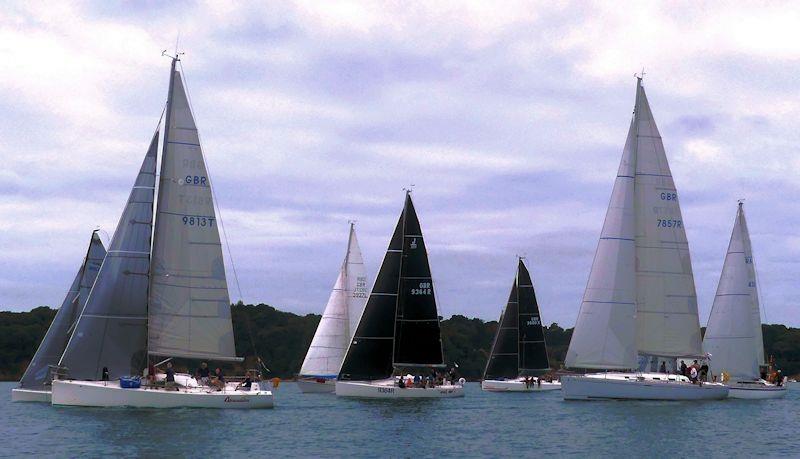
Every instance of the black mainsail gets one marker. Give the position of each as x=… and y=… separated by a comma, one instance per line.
x=519, y=347
x=400, y=324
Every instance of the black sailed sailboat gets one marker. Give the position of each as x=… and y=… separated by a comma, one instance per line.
x=519, y=350
x=399, y=328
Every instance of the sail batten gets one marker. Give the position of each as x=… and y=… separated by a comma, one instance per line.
x=189, y=305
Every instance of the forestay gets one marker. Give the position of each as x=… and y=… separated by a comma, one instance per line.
x=733, y=335
x=112, y=329
x=340, y=317
x=37, y=375
x=189, y=314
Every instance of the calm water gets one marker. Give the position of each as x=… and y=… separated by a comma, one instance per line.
x=481, y=424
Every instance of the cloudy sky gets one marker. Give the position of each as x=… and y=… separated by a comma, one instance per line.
x=508, y=118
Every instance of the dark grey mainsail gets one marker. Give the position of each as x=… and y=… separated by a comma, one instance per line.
x=37, y=375
x=112, y=330
x=400, y=323
x=519, y=347
x=189, y=310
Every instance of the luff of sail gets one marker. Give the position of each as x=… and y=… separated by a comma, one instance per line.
x=668, y=324
x=37, y=375
x=112, y=329
x=189, y=307
x=731, y=335
x=346, y=302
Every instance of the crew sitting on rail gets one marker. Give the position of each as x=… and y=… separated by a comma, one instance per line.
x=246, y=384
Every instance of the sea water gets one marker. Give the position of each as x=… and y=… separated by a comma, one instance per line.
x=480, y=424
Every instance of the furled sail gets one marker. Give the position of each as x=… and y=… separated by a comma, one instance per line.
x=189, y=310
x=519, y=347
x=400, y=323
x=341, y=315
x=532, y=348
x=37, y=375
x=666, y=302
x=112, y=329
x=733, y=334
x=640, y=298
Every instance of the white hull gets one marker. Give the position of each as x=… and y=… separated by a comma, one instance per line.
x=110, y=394
x=756, y=390
x=28, y=395
x=517, y=385
x=316, y=386
x=638, y=386
x=388, y=390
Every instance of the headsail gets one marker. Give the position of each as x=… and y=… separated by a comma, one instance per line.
x=605, y=332
x=189, y=309
x=345, y=305
x=37, y=375
x=666, y=302
x=503, y=360
x=400, y=323
x=733, y=335
x=112, y=330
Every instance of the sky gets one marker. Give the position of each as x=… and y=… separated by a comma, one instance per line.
x=507, y=118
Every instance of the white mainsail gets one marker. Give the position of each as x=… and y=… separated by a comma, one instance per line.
x=189, y=309
x=733, y=335
x=341, y=316
x=112, y=329
x=640, y=298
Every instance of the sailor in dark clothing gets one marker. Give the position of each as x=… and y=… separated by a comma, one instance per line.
x=105, y=374
x=203, y=373
x=683, y=368
x=246, y=384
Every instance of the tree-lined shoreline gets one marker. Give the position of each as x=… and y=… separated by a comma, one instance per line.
x=281, y=339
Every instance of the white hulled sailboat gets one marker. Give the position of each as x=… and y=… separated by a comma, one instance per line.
x=519, y=352
x=35, y=385
x=399, y=328
x=733, y=335
x=640, y=303
x=339, y=321
x=165, y=299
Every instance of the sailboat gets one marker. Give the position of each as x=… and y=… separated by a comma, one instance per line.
x=399, y=329
x=640, y=305
x=733, y=335
x=165, y=299
x=339, y=321
x=519, y=351
x=35, y=383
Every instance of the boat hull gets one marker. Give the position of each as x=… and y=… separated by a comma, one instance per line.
x=628, y=386
x=389, y=390
x=110, y=394
x=316, y=385
x=516, y=385
x=28, y=395
x=756, y=390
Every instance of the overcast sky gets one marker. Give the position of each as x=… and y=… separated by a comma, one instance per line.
x=509, y=118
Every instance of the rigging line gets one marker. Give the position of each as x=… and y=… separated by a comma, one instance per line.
x=221, y=222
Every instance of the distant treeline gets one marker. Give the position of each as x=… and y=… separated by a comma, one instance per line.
x=282, y=338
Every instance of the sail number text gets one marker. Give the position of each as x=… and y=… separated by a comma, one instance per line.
x=191, y=220
x=424, y=289
x=195, y=180
x=669, y=196
x=669, y=223
x=361, y=287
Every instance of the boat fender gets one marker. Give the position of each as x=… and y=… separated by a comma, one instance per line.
x=461, y=381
